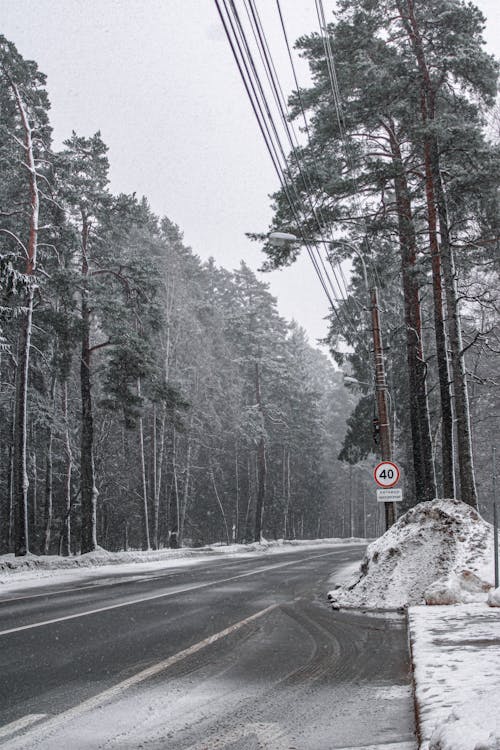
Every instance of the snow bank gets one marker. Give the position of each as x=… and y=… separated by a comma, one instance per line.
x=436, y=552
x=34, y=570
x=456, y=657
x=457, y=588
x=462, y=734
x=494, y=598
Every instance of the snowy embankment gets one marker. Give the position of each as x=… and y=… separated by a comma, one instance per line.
x=33, y=570
x=456, y=656
x=441, y=553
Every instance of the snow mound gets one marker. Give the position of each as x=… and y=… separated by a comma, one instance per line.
x=457, y=588
x=462, y=734
x=442, y=541
x=494, y=598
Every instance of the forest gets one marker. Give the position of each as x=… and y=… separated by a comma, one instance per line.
x=147, y=398
x=152, y=399
x=398, y=172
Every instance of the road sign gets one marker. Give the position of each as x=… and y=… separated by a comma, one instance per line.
x=386, y=474
x=390, y=496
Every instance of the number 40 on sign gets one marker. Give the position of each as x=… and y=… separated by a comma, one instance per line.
x=386, y=474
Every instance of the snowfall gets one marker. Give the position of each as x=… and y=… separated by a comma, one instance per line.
x=437, y=562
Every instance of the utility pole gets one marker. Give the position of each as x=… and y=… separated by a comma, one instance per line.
x=381, y=397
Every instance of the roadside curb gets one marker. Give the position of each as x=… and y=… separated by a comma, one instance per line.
x=416, y=706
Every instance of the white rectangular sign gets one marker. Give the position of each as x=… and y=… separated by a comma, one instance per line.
x=390, y=496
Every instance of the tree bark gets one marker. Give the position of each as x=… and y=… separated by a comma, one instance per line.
x=88, y=486
x=66, y=535
x=173, y=537
x=439, y=330
x=47, y=518
x=468, y=490
x=462, y=412
x=20, y=478
x=261, y=462
x=187, y=481
x=145, y=512
x=425, y=483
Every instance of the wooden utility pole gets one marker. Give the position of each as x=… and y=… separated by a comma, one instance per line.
x=381, y=397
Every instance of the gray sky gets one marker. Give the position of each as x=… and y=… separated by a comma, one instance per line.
x=157, y=78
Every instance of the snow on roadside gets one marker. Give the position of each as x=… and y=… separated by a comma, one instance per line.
x=456, y=655
x=32, y=570
x=443, y=541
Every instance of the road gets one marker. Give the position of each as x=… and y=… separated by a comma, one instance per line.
x=234, y=653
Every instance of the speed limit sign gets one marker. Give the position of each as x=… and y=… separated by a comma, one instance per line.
x=386, y=474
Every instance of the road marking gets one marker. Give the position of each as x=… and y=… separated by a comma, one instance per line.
x=113, y=692
x=384, y=746
x=163, y=595
x=16, y=726
x=86, y=587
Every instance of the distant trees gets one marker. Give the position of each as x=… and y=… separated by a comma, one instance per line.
x=146, y=398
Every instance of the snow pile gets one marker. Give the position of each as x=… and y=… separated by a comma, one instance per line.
x=462, y=734
x=444, y=541
x=457, y=588
x=494, y=598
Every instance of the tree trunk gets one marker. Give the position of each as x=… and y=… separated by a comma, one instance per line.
x=159, y=471
x=261, y=461
x=20, y=480
x=440, y=333
x=173, y=537
x=88, y=486
x=219, y=503
x=145, y=513
x=468, y=489
x=33, y=521
x=425, y=483
x=462, y=413
x=154, y=452
x=20, y=473
x=236, y=534
x=66, y=535
x=47, y=517
x=187, y=480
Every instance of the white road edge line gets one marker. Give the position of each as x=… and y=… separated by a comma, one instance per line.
x=163, y=595
x=113, y=692
x=18, y=724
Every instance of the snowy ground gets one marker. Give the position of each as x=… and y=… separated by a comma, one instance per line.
x=441, y=553
x=32, y=571
x=456, y=653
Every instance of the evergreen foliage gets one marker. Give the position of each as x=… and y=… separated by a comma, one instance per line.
x=167, y=400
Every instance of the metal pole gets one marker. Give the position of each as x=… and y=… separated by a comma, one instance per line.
x=351, y=504
x=495, y=513
x=381, y=397
x=364, y=513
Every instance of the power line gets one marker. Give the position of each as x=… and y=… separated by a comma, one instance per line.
x=254, y=88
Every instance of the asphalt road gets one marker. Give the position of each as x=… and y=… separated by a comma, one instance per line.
x=235, y=654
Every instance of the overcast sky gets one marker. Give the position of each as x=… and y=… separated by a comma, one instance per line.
x=157, y=78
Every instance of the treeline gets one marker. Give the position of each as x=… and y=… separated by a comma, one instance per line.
x=404, y=166
x=146, y=398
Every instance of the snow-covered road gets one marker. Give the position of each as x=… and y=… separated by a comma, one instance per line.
x=239, y=653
